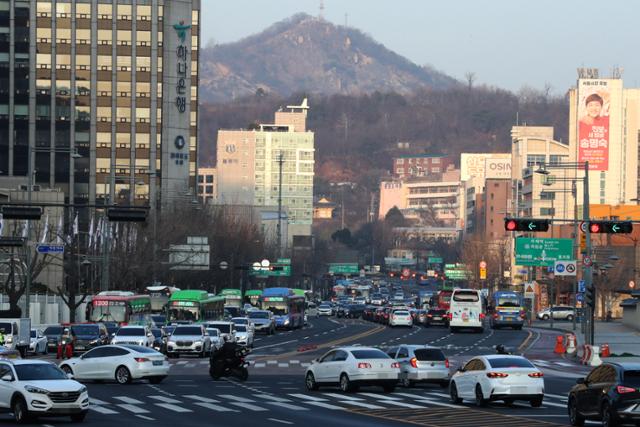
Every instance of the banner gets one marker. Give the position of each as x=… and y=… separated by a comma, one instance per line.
x=593, y=123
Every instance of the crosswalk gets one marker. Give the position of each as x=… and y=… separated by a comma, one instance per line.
x=152, y=405
x=254, y=364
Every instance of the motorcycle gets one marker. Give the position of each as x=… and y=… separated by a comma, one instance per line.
x=225, y=367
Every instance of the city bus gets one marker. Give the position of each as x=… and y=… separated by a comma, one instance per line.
x=197, y=306
x=117, y=306
x=232, y=297
x=286, y=306
x=253, y=296
x=508, y=310
x=160, y=297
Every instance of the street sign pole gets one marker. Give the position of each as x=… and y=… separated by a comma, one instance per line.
x=588, y=271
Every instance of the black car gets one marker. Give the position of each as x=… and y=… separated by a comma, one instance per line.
x=340, y=310
x=88, y=335
x=354, y=311
x=53, y=334
x=610, y=393
x=437, y=316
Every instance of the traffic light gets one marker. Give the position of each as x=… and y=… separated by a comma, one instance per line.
x=611, y=227
x=127, y=214
x=21, y=212
x=523, y=224
x=590, y=296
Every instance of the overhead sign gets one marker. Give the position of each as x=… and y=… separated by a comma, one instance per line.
x=434, y=260
x=344, y=268
x=565, y=268
x=50, y=249
x=456, y=271
x=542, y=252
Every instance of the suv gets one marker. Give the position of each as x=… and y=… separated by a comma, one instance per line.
x=31, y=388
x=189, y=339
x=87, y=336
x=560, y=312
x=421, y=363
x=262, y=321
x=136, y=335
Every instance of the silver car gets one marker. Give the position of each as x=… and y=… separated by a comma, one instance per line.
x=421, y=363
x=560, y=312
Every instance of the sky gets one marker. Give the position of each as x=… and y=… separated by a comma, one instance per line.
x=505, y=43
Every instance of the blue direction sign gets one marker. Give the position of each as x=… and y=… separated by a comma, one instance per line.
x=50, y=249
x=580, y=297
x=581, y=286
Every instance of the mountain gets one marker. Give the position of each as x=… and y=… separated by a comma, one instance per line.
x=307, y=54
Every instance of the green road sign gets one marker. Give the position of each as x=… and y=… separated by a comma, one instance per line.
x=456, y=271
x=434, y=260
x=542, y=252
x=283, y=270
x=349, y=268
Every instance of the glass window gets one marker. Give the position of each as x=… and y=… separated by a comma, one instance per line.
x=510, y=362
x=104, y=9
x=631, y=379
x=328, y=357
x=424, y=354
x=83, y=9
x=403, y=353
x=39, y=372
x=369, y=354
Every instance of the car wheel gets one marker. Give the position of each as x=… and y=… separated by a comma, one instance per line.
x=122, y=375
x=570, y=317
x=536, y=402
x=545, y=317
x=310, y=382
x=66, y=369
x=480, y=400
x=406, y=382
x=609, y=419
x=78, y=418
x=575, y=419
x=345, y=384
x=20, y=411
x=453, y=393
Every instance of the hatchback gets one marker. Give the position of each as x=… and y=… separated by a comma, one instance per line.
x=421, y=363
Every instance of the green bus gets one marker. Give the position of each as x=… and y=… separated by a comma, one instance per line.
x=232, y=297
x=197, y=306
x=253, y=296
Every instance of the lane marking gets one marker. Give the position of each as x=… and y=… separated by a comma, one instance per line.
x=274, y=398
x=200, y=398
x=173, y=408
x=133, y=408
x=164, y=399
x=304, y=396
x=127, y=399
x=102, y=410
x=249, y=406
x=95, y=401
x=238, y=398
x=146, y=418
x=342, y=396
x=557, y=396
x=287, y=406
x=215, y=407
x=437, y=403
x=280, y=421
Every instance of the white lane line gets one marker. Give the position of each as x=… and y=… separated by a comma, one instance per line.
x=557, y=405
x=173, y=408
x=287, y=406
x=146, y=418
x=541, y=362
x=283, y=365
x=557, y=396
x=279, y=421
x=164, y=399
x=341, y=396
x=259, y=365
x=133, y=408
x=248, y=406
x=273, y=398
x=380, y=396
x=272, y=362
x=364, y=405
x=238, y=398
x=304, y=396
x=564, y=364
x=215, y=407
x=273, y=345
x=433, y=393
x=182, y=362
x=200, y=398
x=102, y=410
x=95, y=401
x=190, y=365
x=434, y=402
x=127, y=399
x=325, y=405
x=294, y=362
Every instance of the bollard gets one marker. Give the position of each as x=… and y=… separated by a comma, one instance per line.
x=559, y=348
x=586, y=354
x=605, y=352
x=595, y=357
x=571, y=344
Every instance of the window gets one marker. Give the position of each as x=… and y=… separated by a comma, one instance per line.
x=399, y=161
x=209, y=179
x=392, y=352
x=547, y=195
x=602, y=374
x=369, y=354
x=556, y=159
x=340, y=356
x=435, y=161
x=328, y=357
x=548, y=211
x=403, y=353
x=510, y=362
x=535, y=159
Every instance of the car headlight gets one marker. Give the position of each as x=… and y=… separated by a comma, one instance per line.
x=32, y=389
x=198, y=343
x=286, y=322
x=83, y=389
x=94, y=342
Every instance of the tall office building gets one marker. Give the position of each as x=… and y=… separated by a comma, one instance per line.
x=101, y=96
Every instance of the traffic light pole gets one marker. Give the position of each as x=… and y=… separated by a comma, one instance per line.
x=587, y=271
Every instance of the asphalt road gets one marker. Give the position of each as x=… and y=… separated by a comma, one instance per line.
x=275, y=393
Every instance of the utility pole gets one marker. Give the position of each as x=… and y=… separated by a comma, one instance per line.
x=279, y=224
x=26, y=243
x=588, y=271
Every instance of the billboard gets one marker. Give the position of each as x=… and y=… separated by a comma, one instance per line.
x=497, y=168
x=472, y=165
x=594, y=97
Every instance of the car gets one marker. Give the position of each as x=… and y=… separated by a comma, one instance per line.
x=312, y=309
x=38, y=388
x=137, y=335
x=360, y=300
x=227, y=329
x=421, y=363
x=353, y=311
x=377, y=299
x=437, y=316
x=610, y=393
x=244, y=336
x=342, y=308
x=560, y=312
x=353, y=367
x=263, y=321
x=498, y=377
x=38, y=343
x=120, y=362
x=189, y=339
x=244, y=321
x=216, y=338
x=324, y=309
x=53, y=334
x=400, y=318
x=86, y=336
x=158, y=320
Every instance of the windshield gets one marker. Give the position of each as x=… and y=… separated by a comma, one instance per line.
x=510, y=362
x=5, y=328
x=158, y=319
x=184, y=313
x=53, y=330
x=39, y=372
x=240, y=321
x=370, y=354
x=423, y=354
x=325, y=306
x=188, y=330
x=277, y=308
x=85, y=329
x=141, y=349
x=631, y=379
x=157, y=333
x=213, y=332
x=224, y=328
x=130, y=332
x=469, y=296
x=114, y=313
x=258, y=315
x=401, y=313
x=508, y=302
x=241, y=328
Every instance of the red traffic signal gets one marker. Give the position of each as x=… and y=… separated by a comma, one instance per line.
x=611, y=227
x=594, y=227
x=510, y=225
x=523, y=224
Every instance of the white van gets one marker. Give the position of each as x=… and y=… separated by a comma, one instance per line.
x=466, y=310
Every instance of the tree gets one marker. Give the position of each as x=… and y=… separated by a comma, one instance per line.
x=394, y=218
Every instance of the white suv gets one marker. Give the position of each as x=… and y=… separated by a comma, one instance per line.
x=32, y=388
x=136, y=335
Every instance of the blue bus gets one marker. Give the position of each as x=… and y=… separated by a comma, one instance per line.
x=508, y=310
x=286, y=306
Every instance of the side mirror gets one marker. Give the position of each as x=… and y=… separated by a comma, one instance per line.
x=70, y=375
x=581, y=381
x=7, y=377
x=460, y=369
x=316, y=360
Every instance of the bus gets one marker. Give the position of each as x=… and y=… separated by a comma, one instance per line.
x=197, y=306
x=466, y=310
x=443, y=299
x=253, y=296
x=117, y=306
x=232, y=297
x=160, y=297
x=287, y=308
x=508, y=310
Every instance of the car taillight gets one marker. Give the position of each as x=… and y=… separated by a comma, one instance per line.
x=414, y=362
x=395, y=365
x=446, y=363
x=429, y=315
x=622, y=389
x=141, y=359
x=362, y=365
x=536, y=375
x=497, y=375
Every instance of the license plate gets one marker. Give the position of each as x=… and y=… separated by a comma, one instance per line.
x=79, y=347
x=465, y=320
x=437, y=318
x=157, y=363
x=516, y=390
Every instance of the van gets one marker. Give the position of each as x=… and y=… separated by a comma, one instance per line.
x=466, y=310
x=312, y=309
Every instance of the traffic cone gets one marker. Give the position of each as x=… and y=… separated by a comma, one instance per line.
x=605, y=352
x=559, y=349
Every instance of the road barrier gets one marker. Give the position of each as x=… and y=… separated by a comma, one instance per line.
x=307, y=347
x=571, y=343
x=584, y=354
x=605, y=351
x=559, y=348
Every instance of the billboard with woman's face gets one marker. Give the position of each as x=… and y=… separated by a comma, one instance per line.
x=593, y=123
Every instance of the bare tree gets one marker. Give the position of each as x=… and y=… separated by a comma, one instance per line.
x=470, y=77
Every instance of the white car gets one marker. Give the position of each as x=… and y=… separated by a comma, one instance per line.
x=38, y=343
x=352, y=367
x=244, y=321
x=135, y=335
x=325, y=310
x=400, y=318
x=244, y=336
x=216, y=338
x=31, y=388
x=227, y=329
x=122, y=363
x=498, y=377
x=189, y=339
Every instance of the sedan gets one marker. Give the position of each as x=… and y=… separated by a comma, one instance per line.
x=38, y=343
x=437, y=317
x=497, y=377
x=421, y=363
x=325, y=310
x=352, y=367
x=610, y=393
x=244, y=336
x=400, y=318
x=122, y=363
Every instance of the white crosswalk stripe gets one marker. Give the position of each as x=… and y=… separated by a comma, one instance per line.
x=248, y=406
x=173, y=408
x=214, y=407
x=164, y=399
x=237, y=398
x=287, y=406
x=325, y=405
x=200, y=398
x=103, y=410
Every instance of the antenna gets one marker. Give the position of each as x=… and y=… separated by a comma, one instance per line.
x=321, y=15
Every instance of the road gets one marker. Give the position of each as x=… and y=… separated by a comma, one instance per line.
x=275, y=393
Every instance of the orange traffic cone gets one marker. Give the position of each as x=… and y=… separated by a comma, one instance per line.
x=604, y=351
x=559, y=349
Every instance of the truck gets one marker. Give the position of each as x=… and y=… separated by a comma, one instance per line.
x=17, y=334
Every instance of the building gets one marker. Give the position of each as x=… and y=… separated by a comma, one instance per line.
x=255, y=166
x=496, y=201
x=101, y=96
x=418, y=165
x=323, y=209
x=207, y=185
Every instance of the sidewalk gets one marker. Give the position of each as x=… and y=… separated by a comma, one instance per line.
x=621, y=339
